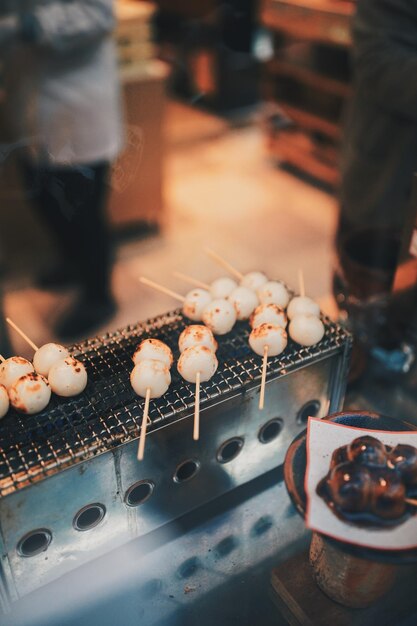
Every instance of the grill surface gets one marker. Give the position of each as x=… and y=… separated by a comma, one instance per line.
x=109, y=413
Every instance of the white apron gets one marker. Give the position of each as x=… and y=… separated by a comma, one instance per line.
x=62, y=91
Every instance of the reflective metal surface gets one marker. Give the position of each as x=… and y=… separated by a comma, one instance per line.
x=211, y=567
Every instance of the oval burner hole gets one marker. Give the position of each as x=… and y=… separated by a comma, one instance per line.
x=310, y=409
x=89, y=516
x=139, y=492
x=270, y=431
x=186, y=471
x=34, y=542
x=229, y=450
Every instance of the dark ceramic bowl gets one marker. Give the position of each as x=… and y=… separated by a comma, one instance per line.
x=295, y=468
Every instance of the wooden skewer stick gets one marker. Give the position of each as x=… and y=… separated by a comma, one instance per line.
x=162, y=289
x=224, y=263
x=191, y=280
x=412, y=501
x=22, y=334
x=196, y=433
x=141, y=448
x=301, y=282
x=263, y=381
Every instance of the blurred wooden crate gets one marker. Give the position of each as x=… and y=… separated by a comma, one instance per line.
x=134, y=32
x=131, y=14
x=309, y=79
x=324, y=21
x=197, y=9
x=135, y=54
x=305, y=153
x=137, y=180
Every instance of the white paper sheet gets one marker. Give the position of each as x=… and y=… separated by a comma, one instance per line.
x=322, y=439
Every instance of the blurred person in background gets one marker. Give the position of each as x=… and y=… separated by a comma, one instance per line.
x=63, y=99
x=379, y=159
x=380, y=143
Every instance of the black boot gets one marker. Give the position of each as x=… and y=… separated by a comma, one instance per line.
x=61, y=276
x=47, y=190
x=85, y=316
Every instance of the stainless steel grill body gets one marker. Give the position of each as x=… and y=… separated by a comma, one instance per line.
x=82, y=451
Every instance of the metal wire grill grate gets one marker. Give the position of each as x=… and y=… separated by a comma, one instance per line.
x=109, y=413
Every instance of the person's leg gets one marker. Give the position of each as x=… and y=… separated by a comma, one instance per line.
x=90, y=227
x=72, y=202
x=45, y=191
x=86, y=191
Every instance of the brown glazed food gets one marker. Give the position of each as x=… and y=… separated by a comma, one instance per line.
x=370, y=484
x=367, y=451
x=404, y=459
